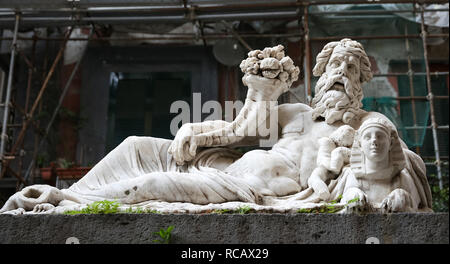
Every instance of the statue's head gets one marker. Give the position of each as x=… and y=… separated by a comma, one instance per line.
x=342, y=67
x=376, y=142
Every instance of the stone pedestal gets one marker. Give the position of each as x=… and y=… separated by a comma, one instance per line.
x=430, y=228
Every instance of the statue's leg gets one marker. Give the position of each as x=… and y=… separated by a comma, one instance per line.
x=199, y=188
x=134, y=157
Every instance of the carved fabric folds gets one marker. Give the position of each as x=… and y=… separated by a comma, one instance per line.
x=147, y=172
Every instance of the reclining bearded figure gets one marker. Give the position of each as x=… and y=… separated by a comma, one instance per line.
x=199, y=171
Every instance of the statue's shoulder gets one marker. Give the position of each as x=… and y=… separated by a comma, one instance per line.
x=294, y=108
x=292, y=117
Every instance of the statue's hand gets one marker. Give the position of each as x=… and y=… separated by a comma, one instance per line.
x=398, y=200
x=183, y=147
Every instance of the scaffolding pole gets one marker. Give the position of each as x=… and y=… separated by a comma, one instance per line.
x=203, y=6
x=430, y=98
x=4, y=135
x=187, y=36
x=29, y=115
x=147, y=11
x=308, y=67
x=56, y=111
x=411, y=87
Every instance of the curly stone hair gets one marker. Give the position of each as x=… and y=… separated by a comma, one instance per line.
x=354, y=47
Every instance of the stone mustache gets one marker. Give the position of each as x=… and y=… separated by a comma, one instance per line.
x=329, y=151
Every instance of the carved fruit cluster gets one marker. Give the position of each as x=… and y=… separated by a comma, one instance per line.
x=271, y=63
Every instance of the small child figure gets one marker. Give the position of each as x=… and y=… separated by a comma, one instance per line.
x=333, y=153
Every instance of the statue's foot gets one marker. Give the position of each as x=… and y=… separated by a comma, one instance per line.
x=18, y=211
x=42, y=208
x=31, y=196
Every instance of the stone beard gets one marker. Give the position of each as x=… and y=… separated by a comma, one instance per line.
x=337, y=98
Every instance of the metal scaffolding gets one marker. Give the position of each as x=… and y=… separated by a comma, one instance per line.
x=56, y=13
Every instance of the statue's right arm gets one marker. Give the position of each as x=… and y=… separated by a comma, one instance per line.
x=244, y=128
x=213, y=125
x=205, y=126
x=180, y=148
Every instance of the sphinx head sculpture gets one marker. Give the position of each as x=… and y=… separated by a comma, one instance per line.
x=342, y=67
x=376, y=148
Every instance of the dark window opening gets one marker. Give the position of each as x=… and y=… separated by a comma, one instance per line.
x=139, y=104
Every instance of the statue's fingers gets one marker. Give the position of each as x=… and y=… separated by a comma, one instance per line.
x=180, y=163
x=179, y=155
x=389, y=205
x=193, y=149
x=169, y=150
x=385, y=207
x=384, y=204
x=174, y=153
x=186, y=154
x=175, y=147
x=185, y=139
x=36, y=208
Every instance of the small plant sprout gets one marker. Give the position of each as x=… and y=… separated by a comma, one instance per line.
x=331, y=207
x=100, y=207
x=140, y=210
x=222, y=211
x=165, y=235
x=244, y=209
x=354, y=200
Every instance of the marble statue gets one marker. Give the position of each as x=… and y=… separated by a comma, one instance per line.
x=333, y=152
x=324, y=152
x=376, y=174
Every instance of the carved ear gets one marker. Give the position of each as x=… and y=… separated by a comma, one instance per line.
x=366, y=71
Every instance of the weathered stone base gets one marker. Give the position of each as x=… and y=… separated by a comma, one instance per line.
x=227, y=228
